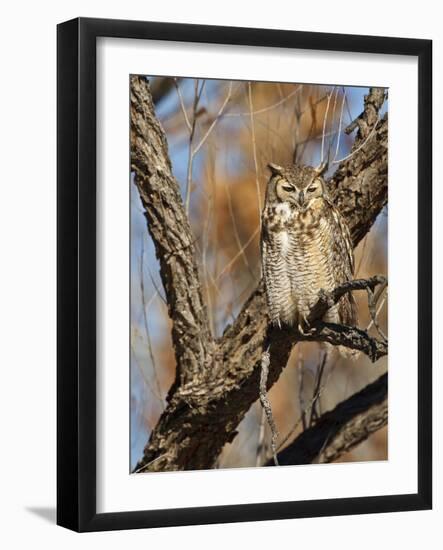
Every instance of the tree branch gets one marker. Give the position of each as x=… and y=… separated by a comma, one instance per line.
x=360, y=184
x=169, y=228
x=205, y=408
x=350, y=337
x=340, y=430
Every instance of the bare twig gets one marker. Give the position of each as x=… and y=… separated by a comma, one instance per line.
x=239, y=253
x=324, y=125
x=194, y=150
x=348, y=110
x=313, y=112
x=352, y=153
x=214, y=122
x=190, y=149
x=340, y=123
x=317, y=385
x=296, y=133
x=241, y=248
x=373, y=298
x=265, y=361
x=333, y=134
x=145, y=320
x=145, y=467
x=380, y=307
x=144, y=376
x=304, y=412
x=204, y=263
x=269, y=107
x=261, y=437
x=254, y=150
x=156, y=288
x=182, y=105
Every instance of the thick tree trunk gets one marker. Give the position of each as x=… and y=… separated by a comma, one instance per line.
x=218, y=380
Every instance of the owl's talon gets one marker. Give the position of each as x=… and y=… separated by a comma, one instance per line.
x=304, y=328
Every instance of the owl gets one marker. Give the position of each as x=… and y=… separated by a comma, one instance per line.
x=305, y=247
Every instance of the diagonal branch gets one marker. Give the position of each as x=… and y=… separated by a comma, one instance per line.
x=169, y=228
x=340, y=430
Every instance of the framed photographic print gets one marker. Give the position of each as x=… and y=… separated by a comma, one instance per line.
x=230, y=279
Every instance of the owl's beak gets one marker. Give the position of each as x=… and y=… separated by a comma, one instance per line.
x=301, y=198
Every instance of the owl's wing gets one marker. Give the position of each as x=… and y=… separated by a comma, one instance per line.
x=344, y=244
x=343, y=254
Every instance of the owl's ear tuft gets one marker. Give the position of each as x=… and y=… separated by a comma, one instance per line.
x=275, y=169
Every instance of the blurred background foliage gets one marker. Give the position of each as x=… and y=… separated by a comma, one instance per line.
x=221, y=136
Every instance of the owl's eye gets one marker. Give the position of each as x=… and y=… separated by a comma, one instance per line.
x=288, y=188
x=312, y=188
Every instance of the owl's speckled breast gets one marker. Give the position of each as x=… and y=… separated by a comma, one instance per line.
x=303, y=239
x=312, y=259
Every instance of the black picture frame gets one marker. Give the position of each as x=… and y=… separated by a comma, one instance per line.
x=76, y=266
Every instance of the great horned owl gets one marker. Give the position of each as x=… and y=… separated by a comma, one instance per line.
x=306, y=247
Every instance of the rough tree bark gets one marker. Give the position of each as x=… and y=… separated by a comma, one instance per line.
x=217, y=380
